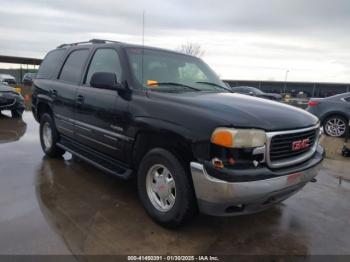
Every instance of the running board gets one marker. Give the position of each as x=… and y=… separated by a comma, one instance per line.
x=105, y=164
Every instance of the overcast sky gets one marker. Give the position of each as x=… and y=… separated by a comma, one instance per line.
x=242, y=39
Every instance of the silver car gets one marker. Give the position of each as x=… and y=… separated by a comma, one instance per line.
x=333, y=112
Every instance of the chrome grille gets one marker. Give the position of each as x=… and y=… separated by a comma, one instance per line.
x=281, y=145
x=280, y=151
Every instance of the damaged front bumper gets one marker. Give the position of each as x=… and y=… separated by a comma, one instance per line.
x=223, y=198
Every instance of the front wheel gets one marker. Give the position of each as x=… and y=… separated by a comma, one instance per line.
x=49, y=137
x=335, y=126
x=165, y=189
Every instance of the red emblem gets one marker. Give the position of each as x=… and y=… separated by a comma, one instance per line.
x=300, y=144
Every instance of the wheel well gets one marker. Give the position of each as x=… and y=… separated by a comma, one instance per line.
x=174, y=143
x=43, y=108
x=334, y=114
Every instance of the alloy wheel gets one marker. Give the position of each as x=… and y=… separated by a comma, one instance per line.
x=161, y=188
x=335, y=127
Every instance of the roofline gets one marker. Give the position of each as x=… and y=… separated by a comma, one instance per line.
x=122, y=44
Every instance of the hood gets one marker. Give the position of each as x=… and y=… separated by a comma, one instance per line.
x=242, y=111
x=6, y=88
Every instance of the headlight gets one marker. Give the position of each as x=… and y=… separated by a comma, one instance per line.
x=238, y=138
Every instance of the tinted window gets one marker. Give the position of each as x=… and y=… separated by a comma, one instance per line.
x=104, y=60
x=151, y=65
x=72, y=69
x=347, y=99
x=50, y=63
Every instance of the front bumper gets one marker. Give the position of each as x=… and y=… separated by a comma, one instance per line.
x=221, y=198
x=16, y=104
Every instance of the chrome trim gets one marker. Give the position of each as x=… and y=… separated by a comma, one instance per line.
x=65, y=129
x=83, y=128
x=292, y=160
x=111, y=138
x=260, y=150
x=89, y=127
x=97, y=142
x=9, y=105
x=215, y=196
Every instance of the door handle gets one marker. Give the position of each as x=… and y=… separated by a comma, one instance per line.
x=80, y=100
x=53, y=93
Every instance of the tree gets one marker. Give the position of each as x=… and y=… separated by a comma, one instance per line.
x=194, y=49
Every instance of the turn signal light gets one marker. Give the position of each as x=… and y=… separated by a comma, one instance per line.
x=222, y=137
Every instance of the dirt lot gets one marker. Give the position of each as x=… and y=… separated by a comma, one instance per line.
x=65, y=206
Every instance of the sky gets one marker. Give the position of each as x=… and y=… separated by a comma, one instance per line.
x=242, y=39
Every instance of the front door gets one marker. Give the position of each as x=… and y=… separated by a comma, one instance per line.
x=98, y=110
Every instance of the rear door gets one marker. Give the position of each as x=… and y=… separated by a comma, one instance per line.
x=97, y=110
x=64, y=89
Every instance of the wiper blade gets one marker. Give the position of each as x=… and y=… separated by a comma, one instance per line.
x=213, y=84
x=176, y=84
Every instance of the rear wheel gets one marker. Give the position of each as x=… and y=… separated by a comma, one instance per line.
x=49, y=137
x=335, y=126
x=165, y=189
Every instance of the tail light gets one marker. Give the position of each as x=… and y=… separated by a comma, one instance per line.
x=313, y=103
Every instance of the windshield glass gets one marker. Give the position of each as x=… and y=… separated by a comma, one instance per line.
x=167, y=71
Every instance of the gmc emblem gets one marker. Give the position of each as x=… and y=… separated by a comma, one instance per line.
x=300, y=144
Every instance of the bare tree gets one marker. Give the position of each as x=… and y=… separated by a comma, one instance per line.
x=194, y=49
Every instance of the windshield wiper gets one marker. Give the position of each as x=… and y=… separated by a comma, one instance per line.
x=213, y=84
x=176, y=84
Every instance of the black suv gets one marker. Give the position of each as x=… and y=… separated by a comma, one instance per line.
x=168, y=120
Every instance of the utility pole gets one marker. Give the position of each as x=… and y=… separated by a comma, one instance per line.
x=285, y=81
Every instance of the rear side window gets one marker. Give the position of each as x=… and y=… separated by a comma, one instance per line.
x=50, y=63
x=73, y=67
x=104, y=60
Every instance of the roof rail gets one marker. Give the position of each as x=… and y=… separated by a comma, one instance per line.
x=92, y=41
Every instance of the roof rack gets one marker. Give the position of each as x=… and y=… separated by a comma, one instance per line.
x=92, y=41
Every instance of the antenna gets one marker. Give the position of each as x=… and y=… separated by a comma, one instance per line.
x=143, y=43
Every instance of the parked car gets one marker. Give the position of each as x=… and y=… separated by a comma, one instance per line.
x=28, y=78
x=11, y=100
x=333, y=112
x=252, y=91
x=167, y=119
x=8, y=79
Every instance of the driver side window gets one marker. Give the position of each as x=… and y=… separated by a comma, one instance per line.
x=104, y=60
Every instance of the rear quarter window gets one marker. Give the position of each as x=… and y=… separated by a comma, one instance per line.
x=50, y=63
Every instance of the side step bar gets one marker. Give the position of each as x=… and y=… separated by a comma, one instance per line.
x=108, y=166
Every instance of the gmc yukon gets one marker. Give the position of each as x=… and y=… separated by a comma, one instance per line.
x=166, y=119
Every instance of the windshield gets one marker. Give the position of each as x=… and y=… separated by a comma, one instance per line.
x=167, y=71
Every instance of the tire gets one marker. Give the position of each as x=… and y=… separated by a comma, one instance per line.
x=335, y=126
x=184, y=205
x=16, y=113
x=49, y=142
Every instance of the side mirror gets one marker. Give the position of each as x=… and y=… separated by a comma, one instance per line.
x=251, y=93
x=105, y=80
